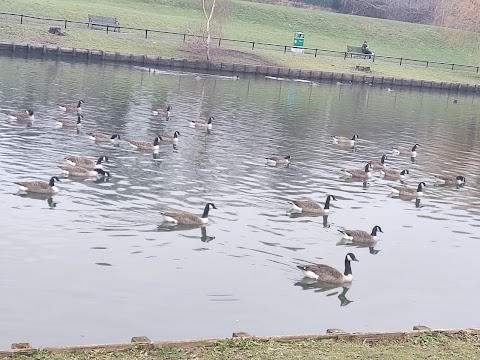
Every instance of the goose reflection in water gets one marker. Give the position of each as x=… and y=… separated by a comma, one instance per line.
x=408, y=198
x=165, y=227
x=48, y=197
x=326, y=224
x=319, y=287
x=371, y=247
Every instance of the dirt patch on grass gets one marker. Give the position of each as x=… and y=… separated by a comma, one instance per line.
x=226, y=55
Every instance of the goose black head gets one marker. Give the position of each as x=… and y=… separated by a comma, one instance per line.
x=378, y=228
x=288, y=157
x=420, y=186
x=29, y=112
x=461, y=179
x=405, y=172
x=331, y=197
x=368, y=167
x=169, y=107
x=156, y=141
x=414, y=148
x=102, y=172
x=176, y=133
x=212, y=206
x=53, y=179
x=79, y=118
x=115, y=136
x=384, y=157
x=210, y=119
x=355, y=137
x=102, y=158
x=81, y=101
x=351, y=257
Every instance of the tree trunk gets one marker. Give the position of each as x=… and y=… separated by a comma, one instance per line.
x=208, y=18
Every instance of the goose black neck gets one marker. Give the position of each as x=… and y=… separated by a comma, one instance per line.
x=383, y=159
x=348, y=268
x=420, y=187
x=205, y=211
x=374, y=231
x=79, y=104
x=327, y=203
x=155, y=142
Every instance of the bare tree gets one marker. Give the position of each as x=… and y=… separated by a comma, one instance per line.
x=459, y=14
x=208, y=18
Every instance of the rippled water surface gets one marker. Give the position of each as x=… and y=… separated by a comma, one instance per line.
x=94, y=263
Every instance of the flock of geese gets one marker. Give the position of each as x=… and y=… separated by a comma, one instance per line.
x=80, y=166
x=326, y=275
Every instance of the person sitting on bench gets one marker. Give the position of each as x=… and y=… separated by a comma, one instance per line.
x=365, y=50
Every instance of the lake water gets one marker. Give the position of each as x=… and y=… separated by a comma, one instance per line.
x=93, y=264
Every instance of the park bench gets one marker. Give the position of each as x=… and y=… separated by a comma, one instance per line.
x=357, y=51
x=103, y=21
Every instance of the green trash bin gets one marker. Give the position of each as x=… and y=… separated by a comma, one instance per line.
x=299, y=39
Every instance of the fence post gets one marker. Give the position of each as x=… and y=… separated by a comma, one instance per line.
x=219, y=41
x=146, y=33
x=21, y=19
x=253, y=45
x=184, y=36
x=477, y=69
x=107, y=29
x=66, y=23
x=316, y=52
x=427, y=64
x=453, y=66
x=285, y=50
x=401, y=59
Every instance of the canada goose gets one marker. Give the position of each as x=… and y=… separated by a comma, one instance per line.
x=162, y=112
x=400, y=150
x=312, y=207
x=328, y=274
x=450, y=179
x=379, y=164
x=360, y=235
x=187, y=218
x=394, y=174
x=408, y=191
x=26, y=115
x=99, y=137
x=86, y=163
x=167, y=137
x=144, y=145
x=278, y=159
x=71, y=107
x=202, y=123
x=359, y=174
x=345, y=140
x=78, y=171
x=39, y=187
x=70, y=123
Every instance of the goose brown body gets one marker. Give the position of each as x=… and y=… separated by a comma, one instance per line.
x=38, y=186
x=22, y=116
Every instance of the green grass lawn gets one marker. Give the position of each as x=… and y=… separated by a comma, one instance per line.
x=426, y=346
x=259, y=22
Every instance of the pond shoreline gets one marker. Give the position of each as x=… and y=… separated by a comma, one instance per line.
x=144, y=344
x=276, y=72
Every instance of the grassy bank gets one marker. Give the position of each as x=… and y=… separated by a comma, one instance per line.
x=425, y=346
x=253, y=21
